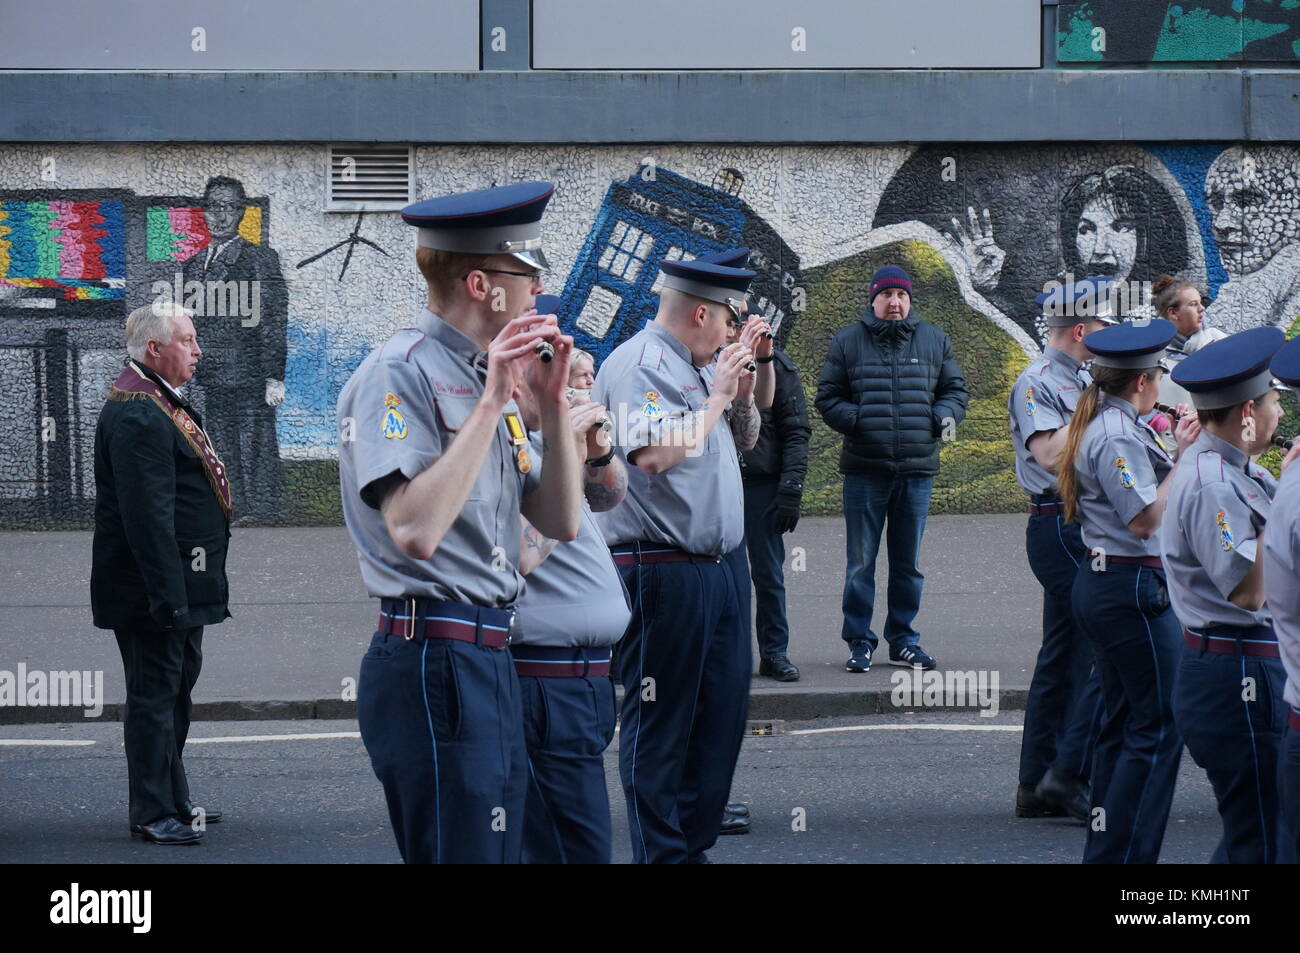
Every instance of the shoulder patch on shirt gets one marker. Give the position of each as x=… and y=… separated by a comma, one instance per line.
x=394, y=425
x=1030, y=407
x=1225, y=531
x=652, y=408
x=1209, y=467
x=1113, y=420
x=1125, y=474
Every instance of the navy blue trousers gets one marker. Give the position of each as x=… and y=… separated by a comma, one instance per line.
x=441, y=722
x=1063, y=711
x=568, y=724
x=766, y=552
x=1237, y=742
x=1124, y=611
x=1288, y=783
x=685, y=664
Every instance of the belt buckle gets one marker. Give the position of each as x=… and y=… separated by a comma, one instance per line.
x=409, y=635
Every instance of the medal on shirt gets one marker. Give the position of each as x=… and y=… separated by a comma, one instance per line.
x=518, y=439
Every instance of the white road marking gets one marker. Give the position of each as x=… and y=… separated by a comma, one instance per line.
x=822, y=731
x=37, y=743
x=299, y=737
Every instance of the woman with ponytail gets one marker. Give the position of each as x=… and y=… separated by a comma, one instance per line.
x=1114, y=476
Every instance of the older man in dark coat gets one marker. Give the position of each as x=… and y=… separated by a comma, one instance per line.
x=162, y=521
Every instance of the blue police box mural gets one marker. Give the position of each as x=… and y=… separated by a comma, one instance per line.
x=656, y=214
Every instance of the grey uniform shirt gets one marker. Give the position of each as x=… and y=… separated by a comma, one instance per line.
x=1043, y=400
x=1120, y=464
x=402, y=407
x=1214, y=514
x=649, y=384
x=576, y=596
x=1282, y=576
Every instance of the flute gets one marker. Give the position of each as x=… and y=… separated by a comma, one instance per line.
x=1277, y=441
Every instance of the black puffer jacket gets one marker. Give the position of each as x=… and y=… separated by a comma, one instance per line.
x=782, y=448
x=889, y=387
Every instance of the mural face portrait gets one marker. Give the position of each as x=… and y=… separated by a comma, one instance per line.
x=1120, y=224
x=223, y=209
x=1252, y=196
x=1105, y=240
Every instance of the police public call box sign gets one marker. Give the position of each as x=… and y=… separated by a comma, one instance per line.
x=778, y=34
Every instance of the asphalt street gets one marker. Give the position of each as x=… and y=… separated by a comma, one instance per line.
x=929, y=787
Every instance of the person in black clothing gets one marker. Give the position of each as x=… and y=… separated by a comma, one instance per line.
x=773, y=473
x=892, y=386
x=158, y=571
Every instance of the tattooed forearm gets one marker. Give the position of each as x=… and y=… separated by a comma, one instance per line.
x=745, y=423
x=533, y=548
x=605, y=487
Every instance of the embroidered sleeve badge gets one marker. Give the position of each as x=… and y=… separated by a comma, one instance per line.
x=394, y=422
x=1225, y=532
x=1125, y=474
x=652, y=408
x=1029, y=401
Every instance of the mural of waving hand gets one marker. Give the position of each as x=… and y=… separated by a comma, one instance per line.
x=983, y=256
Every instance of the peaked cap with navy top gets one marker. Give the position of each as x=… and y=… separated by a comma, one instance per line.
x=1132, y=346
x=504, y=220
x=1076, y=302
x=731, y=257
x=1232, y=370
x=706, y=280
x=1286, y=363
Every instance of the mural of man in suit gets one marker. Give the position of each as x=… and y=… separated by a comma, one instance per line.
x=242, y=372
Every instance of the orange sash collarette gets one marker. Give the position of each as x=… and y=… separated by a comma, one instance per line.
x=132, y=384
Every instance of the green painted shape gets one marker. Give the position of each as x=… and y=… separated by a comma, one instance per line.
x=41, y=217
x=1198, y=35
x=977, y=469
x=160, y=242
x=1075, y=44
x=1252, y=30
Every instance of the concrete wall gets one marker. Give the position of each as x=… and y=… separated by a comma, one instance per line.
x=86, y=232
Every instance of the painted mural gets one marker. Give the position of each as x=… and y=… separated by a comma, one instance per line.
x=1156, y=31
x=981, y=230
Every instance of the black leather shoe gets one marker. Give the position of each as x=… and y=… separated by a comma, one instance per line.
x=780, y=668
x=737, y=810
x=732, y=824
x=1029, y=804
x=1066, y=795
x=167, y=831
x=186, y=812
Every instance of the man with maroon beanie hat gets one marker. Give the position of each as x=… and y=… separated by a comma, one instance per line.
x=892, y=387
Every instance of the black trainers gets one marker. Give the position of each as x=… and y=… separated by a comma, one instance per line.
x=778, y=667
x=860, y=660
x=910, y=655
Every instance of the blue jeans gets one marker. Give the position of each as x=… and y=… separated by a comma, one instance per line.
x=871, y=500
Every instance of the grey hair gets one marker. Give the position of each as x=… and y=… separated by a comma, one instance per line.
x=580, y=353
x=153, y=322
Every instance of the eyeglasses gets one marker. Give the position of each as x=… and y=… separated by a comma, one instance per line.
x=530, y=275
x=223, y=207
